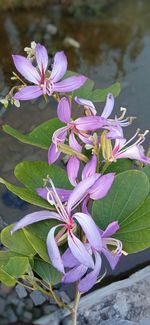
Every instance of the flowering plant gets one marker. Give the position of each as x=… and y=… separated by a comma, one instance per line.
x=98, y=205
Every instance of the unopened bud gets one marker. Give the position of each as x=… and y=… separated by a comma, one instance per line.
x=106, y=146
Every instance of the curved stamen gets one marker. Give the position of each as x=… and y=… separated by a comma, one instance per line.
x=139, y=141
x=114, y=242
x=123, y=110
x=57, y=202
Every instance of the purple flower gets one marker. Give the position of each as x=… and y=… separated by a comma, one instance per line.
x=87, y=104
x=45, y=82
x=79, y=127
x=68, y=224
x=78, y=271
x=123, y=149
x=101, y=186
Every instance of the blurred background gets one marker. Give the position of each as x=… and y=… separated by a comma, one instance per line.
x=107, y=40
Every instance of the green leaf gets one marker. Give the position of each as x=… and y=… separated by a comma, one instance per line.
x=41, y=229
x=146, y=170
x=120, y=166
x=127, y=193
x=135, y=230
x=47, y=272
x=6, y=278
x=38, y=245
x=27, y=195
x=85, y=91
x=99, y=95
x=40, y=137
x=16, y=242
x=5, y=256
x=17, y=266
x=32, y=173
x=125, y=204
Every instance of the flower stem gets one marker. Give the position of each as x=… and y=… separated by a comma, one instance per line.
x=75, y=307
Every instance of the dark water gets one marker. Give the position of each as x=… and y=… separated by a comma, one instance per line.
x=113, y=46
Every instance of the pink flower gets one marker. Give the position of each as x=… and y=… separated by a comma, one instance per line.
x=68, y=224
x=81, y=127
x=78, y=271
x=123, y=149
x=45, y=82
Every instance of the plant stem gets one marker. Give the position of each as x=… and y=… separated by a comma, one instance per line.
x=58, y=301
x=75, y=308
x=105, y=166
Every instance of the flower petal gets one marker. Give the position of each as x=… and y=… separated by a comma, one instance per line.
x=41, y=58
x=26, y=69
x=86, y=103
x=90, y=167
x=62, y=193
x=75, y=274
x=84, y=205
x=112, y=258
x=111, y=229
x=90, y=279
x=53, y=251
x=59, y=66
x=28, y=92
x=69, y=260
x=64, y=110
x=31, y=218
x=135, y=152
x=72, y=169
x=90, y=123
x=80, y=191
x=69, y=84
x=102, y=186
x=58, y=136
x=53, y=154
x=108, y=106
x=79, y=251
x=90, y=229
x=73, y=143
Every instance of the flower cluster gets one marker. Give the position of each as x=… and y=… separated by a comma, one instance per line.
x=104, y=139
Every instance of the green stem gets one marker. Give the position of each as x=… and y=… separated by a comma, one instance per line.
x=75, y=307
x=105, y=166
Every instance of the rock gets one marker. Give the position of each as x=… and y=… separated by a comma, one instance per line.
x=21, y=291
x=48, y=309
x=71, y=42
x=118, y=322
x=3, y=224
x=145, y=322
x=27, y=316
x=67, y=321
x=2, y=305
x=10, y=314
x=53, y=319
x=52, y=29
x=37, y=298
x=65, y=298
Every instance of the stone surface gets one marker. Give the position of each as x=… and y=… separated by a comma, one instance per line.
x=21, y=291
x=119, y=322
x=145, y=322
x=37, y=298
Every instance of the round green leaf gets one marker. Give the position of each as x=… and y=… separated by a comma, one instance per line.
x=135, y=230
x=125, y=204
x=16, y=242
x=32, y=173
x=17, y=266
x=40, y=137
x=47, y=272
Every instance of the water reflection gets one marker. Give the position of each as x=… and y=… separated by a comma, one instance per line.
x=115, y=45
